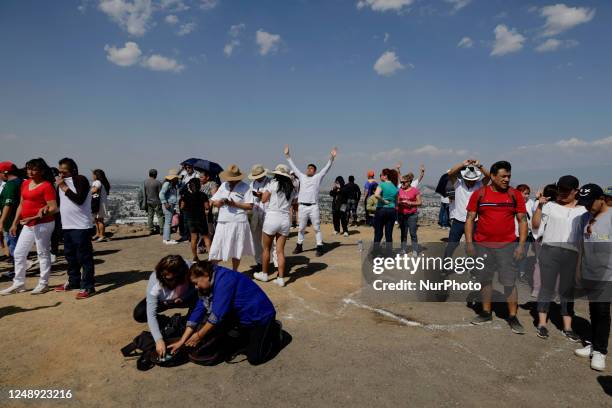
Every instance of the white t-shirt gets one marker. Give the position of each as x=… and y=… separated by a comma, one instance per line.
x=260, y=187
x=309, y=186
x=241, y=193
x=445, y=200
x=530, y=206
x=560, y=225
x=278, y=201
x=101, y=190
x=75, y=216
x=458, y=207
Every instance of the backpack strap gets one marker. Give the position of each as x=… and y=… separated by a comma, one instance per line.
x=510, y=192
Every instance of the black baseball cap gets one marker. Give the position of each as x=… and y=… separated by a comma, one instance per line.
x=568, y=183
x=589, y=193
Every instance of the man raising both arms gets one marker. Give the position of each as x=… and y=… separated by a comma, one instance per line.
x=308, y=199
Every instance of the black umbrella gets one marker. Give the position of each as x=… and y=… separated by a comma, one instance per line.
x=200, y=164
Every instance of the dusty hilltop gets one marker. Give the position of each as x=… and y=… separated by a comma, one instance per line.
x=344, y=351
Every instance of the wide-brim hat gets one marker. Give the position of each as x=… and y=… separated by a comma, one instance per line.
x=172, y=174
x=282, y=170
x=258, y=171
x=232, y=173
x=471, y=174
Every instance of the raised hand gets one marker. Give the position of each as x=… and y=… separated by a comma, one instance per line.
x=334, y=152
x=286, y=150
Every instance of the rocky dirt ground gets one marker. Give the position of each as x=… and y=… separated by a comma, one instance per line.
x=344, y=351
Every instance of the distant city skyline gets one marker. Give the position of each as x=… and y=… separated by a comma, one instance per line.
x=127, y=85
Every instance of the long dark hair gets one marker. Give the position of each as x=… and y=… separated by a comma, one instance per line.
x=285, y=185
x=41, y=165
x=550, y=191
x=340, y=180
x=391, y=175
x=100, y=175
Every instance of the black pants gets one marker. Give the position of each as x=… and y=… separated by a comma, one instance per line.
x=556, y=261
x=340, y=217
x=78, y=251
x=264, y=341
x=384, y=219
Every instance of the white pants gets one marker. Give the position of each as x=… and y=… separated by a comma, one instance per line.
x=40, y=235
x=257, y=222
x=311, y=212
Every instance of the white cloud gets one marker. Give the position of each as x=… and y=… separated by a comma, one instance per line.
x=466, y=42
x=426, y=150
x=174, y=6
x=574, y=142
x=384, y=5
x=234, y=42
x=388, y=64
x=8, y=137
x=124, y=57
x=186, y=28
x=268, y=43
x=132, y=16
x=208, y=4
x=171, y=19
x=560, y=18
x=553, y=44
x=458, y=4
x=158, y=62
x=506, y=41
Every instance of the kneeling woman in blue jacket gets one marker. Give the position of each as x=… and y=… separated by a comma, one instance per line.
x=229, y=298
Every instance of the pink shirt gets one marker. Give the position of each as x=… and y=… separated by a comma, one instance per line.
x=407, y=195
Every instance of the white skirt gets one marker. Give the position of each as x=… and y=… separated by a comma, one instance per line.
x=232, y=240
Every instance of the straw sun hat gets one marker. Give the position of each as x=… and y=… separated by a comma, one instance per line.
x=258, y=171
x=232, y=173
x=172, y=174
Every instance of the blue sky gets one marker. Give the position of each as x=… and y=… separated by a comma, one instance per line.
x=126, y=85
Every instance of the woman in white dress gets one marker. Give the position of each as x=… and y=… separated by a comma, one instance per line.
x=278, y=194
x=233, y=237
x=99, y=193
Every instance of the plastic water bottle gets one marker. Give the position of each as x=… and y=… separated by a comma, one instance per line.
x=360, y=245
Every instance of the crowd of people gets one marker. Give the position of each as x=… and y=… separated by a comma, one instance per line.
x=566, y=226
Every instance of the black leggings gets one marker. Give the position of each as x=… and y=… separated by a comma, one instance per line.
x=264, y=341
x=340, y=217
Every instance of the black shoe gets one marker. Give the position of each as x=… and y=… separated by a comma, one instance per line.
x=258, y=268
x=542, y=332
x=482, y=318
x=319, y=250
x=515, y=325
x=571, y=336
x=298, y=249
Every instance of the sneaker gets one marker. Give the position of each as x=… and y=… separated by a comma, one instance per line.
x=515, y=325
x=584, y=352
x=298, y=249
x=598, y=361
x=280, y=281
x=261, y=276
x=101, y=239
x=542, y=332
x=171, y=242
x=346, y=234
x=85, y=293
x=64, y=288
x=482, y=318
x=14, y=288
x=319, y=250
x=571, y=336
x=40, y=289
x=335, y=233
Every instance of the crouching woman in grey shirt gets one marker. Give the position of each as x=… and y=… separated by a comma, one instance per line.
x=169, y=287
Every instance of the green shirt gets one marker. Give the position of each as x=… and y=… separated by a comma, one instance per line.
x=11, y=195
x=389, y=193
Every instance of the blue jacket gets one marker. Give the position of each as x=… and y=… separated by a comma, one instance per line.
x=233, y=294
x=168, y=194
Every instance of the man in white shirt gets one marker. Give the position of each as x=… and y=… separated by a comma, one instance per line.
x=308, y=199
x=466, y=178
x=259, y=180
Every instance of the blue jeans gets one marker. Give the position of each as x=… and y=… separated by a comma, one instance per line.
x=168, y=213
x=384, y=219
x=408, y=223
x=454, y=237
x=78, y=251
x=443, y=216
x=11, y=242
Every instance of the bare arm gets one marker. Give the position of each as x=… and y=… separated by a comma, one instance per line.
x=421, y=173
x=265, y=197
x=454, y=171
x=469, y=227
